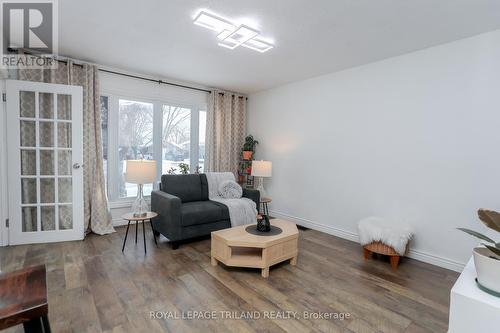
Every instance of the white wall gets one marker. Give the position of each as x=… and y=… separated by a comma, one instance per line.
x=414, y=137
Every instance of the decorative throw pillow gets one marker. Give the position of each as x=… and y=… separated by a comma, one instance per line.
x=229, y=189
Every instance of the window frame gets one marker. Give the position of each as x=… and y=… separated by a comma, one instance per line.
x=204, y=139
x=106, y=174
x=113, y=137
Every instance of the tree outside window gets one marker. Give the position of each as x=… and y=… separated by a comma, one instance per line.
x=176, y=138
x=135, y=140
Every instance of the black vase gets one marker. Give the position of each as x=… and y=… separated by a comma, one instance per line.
x=263, y=224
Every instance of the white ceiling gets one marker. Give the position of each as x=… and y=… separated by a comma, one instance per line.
x=312, y=37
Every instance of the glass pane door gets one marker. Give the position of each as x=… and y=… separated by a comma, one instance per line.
x=45, y=148
x=45, y=118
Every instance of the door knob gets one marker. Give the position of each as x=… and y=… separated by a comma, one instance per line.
x=76, y=166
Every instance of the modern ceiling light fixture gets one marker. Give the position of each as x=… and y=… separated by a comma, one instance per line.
x=258, y=45
x=232, y=35
x=213, y=22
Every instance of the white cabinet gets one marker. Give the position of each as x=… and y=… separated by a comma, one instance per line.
x=472, y=310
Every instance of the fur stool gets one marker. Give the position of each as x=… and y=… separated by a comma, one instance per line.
x=385, y=237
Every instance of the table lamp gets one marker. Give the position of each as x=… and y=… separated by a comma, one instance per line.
x=261, y=169
x=140, y=172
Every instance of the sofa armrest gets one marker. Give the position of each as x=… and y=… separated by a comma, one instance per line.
x=168, y=208
x=254, y=195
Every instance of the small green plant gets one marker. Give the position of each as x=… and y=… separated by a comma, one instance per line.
x=184, y=168
x=250, y=143
x=171, y=171
x=491, y=219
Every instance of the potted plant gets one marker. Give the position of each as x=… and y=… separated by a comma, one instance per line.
x=184, y=168
x=249, y=147
x=487, y=257
x=241, y=178
x=241, y=173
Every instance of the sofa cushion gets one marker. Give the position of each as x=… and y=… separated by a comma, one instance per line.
x=188, y=188
x=200, y=212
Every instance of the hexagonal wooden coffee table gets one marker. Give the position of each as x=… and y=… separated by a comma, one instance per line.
x=237, y=247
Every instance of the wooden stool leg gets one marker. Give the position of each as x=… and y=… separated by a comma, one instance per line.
x=366, y=253
x=293, y=261
x=265, y=272
x=214, y=261
x=394, y=262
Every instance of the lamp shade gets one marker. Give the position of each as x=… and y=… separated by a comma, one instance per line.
x=262, y=168
x=140, y=171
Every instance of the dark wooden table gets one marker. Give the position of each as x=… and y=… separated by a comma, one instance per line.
x=23, y=299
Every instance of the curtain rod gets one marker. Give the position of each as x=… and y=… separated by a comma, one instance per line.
x=125, y=74
x=160, y=81
x=153, y=80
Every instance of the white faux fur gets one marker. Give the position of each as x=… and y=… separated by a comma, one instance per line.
x=391, y=233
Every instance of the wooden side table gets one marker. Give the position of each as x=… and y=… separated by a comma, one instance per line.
x=130, y=217
x=23, y=299
x=239, y=248
x=264, y=203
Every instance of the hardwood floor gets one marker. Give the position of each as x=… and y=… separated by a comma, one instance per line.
x=93, y=287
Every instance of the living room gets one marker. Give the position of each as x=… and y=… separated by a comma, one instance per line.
x=249, y=166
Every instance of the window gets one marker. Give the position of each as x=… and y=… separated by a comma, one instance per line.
x=201, y=140
x=135, y=141
x=132, y=128
x=104, y=134
x=176, y=137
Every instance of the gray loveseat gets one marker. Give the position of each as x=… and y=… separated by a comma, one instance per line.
x=184, y=210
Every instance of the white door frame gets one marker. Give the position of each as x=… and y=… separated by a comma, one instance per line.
x=16, y=235
x=4, y=231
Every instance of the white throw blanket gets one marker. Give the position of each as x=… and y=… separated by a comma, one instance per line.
x=391, y=233
x=241, y=211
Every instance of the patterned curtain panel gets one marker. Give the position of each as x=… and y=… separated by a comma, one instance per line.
x=96, y=213
x=226, y=118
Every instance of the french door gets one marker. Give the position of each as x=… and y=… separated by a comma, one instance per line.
x=45, y=153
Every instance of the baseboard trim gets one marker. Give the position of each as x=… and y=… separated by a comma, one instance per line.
x=352, y=236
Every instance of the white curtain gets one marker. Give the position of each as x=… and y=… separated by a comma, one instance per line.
x=96, y=213
x=226, y=119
